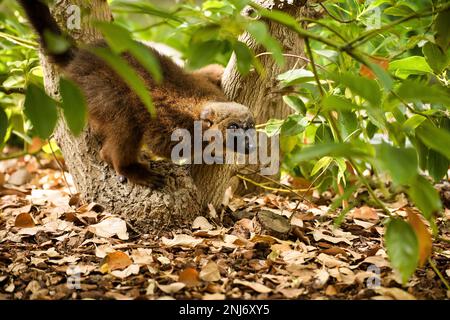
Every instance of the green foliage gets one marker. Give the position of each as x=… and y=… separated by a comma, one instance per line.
x=402, y=247
x=378, y=99
x=74, y=105
x=41, y=110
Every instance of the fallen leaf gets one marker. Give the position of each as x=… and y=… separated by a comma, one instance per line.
x=423, y=236
x=171, y=288
x=210, y=272
x=291, y=293
x=321, y=278
x=365, y=213
x=258, y=287
x=202, y=223
x=130, y=270
x=396, y=293
x=142, y=256
x=214, y=296
x=330, y=261
x=319, y=235
x=331, y=290
x=24, y=220
x=117, y=260
x=182, y=240
x=189, y=277
x=109, y=228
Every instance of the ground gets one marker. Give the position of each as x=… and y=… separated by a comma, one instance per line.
x=53, y=246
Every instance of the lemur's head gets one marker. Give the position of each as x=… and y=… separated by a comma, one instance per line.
x=233, y=120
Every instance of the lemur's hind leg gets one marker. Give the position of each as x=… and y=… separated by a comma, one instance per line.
x=121, y=148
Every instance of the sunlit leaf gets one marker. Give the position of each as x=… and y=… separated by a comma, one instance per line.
x=402, y=247
x=41, y=110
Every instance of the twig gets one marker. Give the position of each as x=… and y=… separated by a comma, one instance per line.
x=59, y=166
x=436, y=270
x=292, y=56
x=334, y=17
x=325, y=26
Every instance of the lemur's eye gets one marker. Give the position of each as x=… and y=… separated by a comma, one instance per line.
x=233, y=126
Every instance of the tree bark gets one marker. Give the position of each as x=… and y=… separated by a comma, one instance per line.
x=147, y=210
x=184, y=197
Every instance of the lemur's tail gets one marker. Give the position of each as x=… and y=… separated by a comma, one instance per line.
x=42, y=21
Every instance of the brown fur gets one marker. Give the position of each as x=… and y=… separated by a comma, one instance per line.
x=118, y=116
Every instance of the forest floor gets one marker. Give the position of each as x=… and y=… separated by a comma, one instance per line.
x=52, y=246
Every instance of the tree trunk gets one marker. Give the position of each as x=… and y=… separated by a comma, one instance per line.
x=147, y=210
x=178, y=203
x=256, y=92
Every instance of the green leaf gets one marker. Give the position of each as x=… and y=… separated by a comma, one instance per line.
x=120, y=40
x=204, y=53
x=244, y=57
x=295, y=76
x=363, y=87
x=55, y=44
x=411, y=65
x=258, y=30
x=435, y=57
x=437, y=165
x=348, y=122
x=412, y=123
x=328, y=149
x=40, y=109
x=128, y=74
x=402, y=247
x=74, y=105
x=335, y=103
x=293, y=125
x=322, y=163
x=273, y=127
x=442, y=28
x=3, y=125
x=383, y=76
x=434, y=138
x=295, y=103
x=401, y=163
x=425, y=197
x=412, y=91
x=117, y=37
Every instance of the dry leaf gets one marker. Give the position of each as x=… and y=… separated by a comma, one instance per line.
x=330, y=261
x=202, y=223
x=171, y=288
x=423, y=236
x=365, y=213
x=117, y=260
x=130, y=270
x=396, y=293
x=24, y=220
x=109, y=228
x=182, y=240
x=189, y=277
x=142, y=256
x=258, y=287
x=319, y=235
x=210, y=272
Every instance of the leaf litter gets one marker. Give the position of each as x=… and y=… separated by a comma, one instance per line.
x=53, y=246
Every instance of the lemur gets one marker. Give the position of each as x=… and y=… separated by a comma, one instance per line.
x=119, y=117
